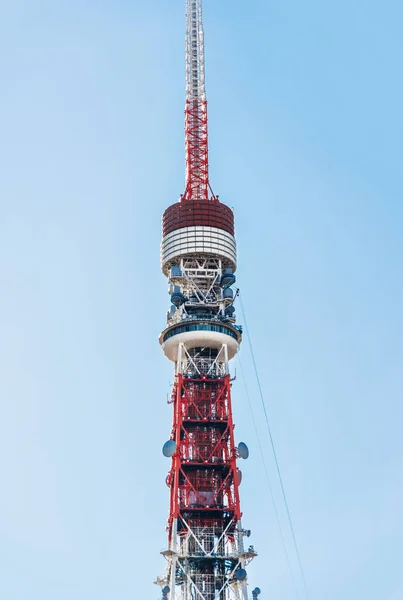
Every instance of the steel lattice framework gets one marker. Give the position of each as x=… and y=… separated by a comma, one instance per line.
x=206, y=556
x=196, y=135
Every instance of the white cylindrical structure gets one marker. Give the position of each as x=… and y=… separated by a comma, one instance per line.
x=195, y=335
x=198, y=240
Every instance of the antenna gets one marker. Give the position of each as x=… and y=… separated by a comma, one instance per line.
x=196, y=136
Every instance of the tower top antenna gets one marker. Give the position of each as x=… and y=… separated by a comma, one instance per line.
x=195, y=62
x=196, y=135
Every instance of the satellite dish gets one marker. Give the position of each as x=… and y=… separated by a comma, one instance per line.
x=169, y=449
x=240, y=574
x=243, y=450
x=239, y=473
x=166, y=590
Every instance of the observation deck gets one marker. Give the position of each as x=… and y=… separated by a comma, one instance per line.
x=195, y=333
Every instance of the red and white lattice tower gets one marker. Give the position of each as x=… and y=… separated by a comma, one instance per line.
x=206, y=555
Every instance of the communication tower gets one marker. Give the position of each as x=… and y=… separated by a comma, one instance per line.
x=207, y=554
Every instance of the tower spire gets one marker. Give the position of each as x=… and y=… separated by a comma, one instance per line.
x=195, y=63
x=196, y=137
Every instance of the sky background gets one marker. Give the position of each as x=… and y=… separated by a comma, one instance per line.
x=306, y=143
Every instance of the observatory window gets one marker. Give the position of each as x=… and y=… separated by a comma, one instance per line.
x=200, y=327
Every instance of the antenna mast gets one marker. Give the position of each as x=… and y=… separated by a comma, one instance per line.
x=196, y=136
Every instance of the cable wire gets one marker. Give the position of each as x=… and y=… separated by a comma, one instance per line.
x=268, y=479
x=297, y=552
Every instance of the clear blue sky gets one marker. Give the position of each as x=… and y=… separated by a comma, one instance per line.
x=306, y=135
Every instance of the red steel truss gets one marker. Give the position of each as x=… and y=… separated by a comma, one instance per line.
x=196, y=145
x=203, y=479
